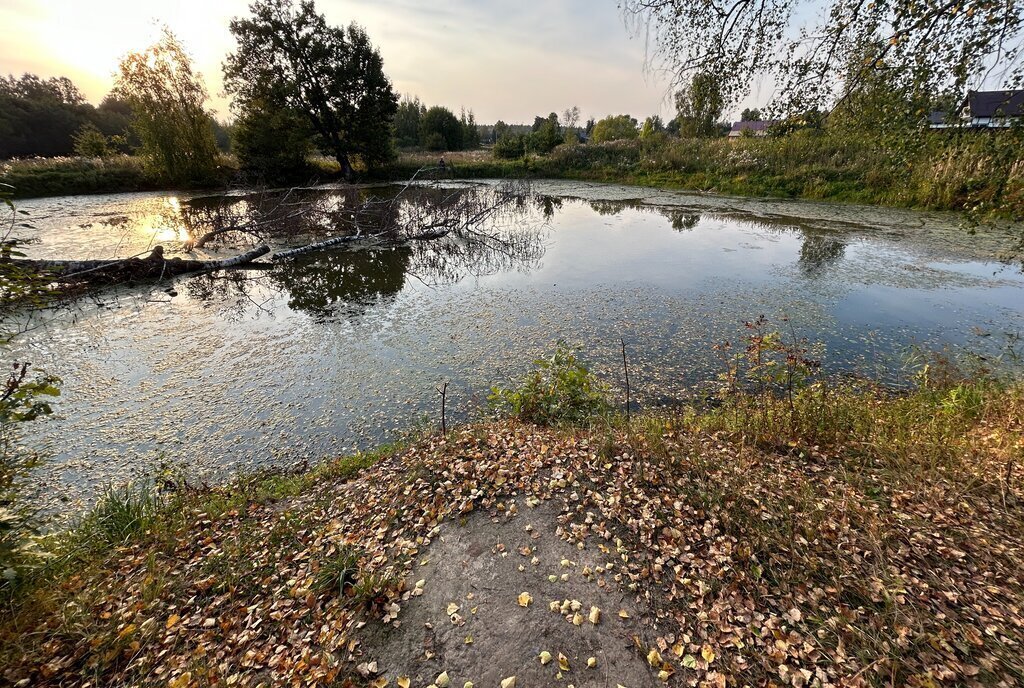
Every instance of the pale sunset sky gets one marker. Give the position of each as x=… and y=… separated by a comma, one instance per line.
x=505, y=59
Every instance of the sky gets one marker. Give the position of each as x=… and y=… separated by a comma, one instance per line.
x=504, y=59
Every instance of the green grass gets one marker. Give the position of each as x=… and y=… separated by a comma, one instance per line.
x=978, y=172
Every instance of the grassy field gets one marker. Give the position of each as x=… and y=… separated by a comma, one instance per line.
x=835, y=534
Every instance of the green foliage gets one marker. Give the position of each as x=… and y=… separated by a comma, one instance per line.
x=407, y=122
x=614, y=128
x=922, y=48
x=67, y=176
x=339, y=572
x=470, y=132
x=547, y=134
x=272, y=143
x=441, y=130
x=22, y=400
x=510, y=147
x=559, y=390
x=41, y=117
x=120, y=514
x=91, y=143
x=750, y=115
x=699, y=105
x=168, y=99
x=289, y=57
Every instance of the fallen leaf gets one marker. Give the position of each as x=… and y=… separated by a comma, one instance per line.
x=563, y=662
x=525, y=599
x=509, y=682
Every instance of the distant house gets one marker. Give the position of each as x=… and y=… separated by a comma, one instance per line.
x=983, y=110
x=754, y=128
x=994, y=109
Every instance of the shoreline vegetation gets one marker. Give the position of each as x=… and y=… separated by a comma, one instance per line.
x=790, y=530
x=980, y=174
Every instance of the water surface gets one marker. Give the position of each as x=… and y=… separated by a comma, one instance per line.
x=344, y=349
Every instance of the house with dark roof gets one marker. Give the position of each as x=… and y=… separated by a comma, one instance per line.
x=994, y=109
x=751, y=128
x=983, y=110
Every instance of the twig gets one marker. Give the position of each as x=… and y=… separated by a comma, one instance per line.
x=443, y=391
x=625, y=366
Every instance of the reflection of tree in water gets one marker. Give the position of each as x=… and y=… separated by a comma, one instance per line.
x=819, y=252
x=682, y=220
x=348, y=282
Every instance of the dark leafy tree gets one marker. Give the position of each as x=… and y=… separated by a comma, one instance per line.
x=288, y=57
x=547, y=133
x=271, y=143
x=700, y=104
x=40, y=117
x=407, y=122
x=510, y=146
x=750, y=115
x=441, y=130
x=470, y=131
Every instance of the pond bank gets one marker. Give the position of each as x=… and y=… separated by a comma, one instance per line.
x=844, y=536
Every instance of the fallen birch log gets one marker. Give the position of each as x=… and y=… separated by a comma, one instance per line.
x=152, y=266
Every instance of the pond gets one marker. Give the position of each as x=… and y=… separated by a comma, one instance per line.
x=344, y=349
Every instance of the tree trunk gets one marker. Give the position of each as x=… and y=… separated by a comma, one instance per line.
x=152, y=266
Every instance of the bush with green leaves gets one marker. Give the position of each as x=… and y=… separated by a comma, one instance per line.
x=510, y=147
x=559, y=390
x=22, y=400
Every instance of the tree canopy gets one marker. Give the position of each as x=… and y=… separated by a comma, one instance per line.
x=289, y=58
x=168, y=99
x=614, y=128
x=44, y=116
x=700, y=104
x=927, y=46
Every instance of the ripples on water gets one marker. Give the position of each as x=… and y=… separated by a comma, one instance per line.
x=344, y=349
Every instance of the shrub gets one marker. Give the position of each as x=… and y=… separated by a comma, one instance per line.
x=559, y=390
x=510, y=147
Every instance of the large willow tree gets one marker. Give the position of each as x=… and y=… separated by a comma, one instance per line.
x=820, y=52
x=167, y=99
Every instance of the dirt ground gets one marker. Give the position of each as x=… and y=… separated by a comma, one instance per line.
x=477, y=568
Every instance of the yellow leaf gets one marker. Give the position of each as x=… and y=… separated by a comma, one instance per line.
x=563, y=662
x=403, y=682
x=545, y=657
x=172, y=619
x=654, y=658
x=623, y=614
x=379, y=683
x=180, y=681
x=592, y=662
x=128, y=630
x=525, y=599
x=442, y=680
x=707, y=653
x=509, y=682
x=452, y=608
x=594, y=616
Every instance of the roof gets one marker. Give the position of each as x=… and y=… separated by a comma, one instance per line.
x=937, y=117
x=996, y=103
x=752, y=126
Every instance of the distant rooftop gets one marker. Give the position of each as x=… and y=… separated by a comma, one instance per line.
x=996, y=103
x=753, y=126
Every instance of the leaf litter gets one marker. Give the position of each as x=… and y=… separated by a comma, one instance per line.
x=727, y=565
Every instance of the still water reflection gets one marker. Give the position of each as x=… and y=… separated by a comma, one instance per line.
x=339, y=350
